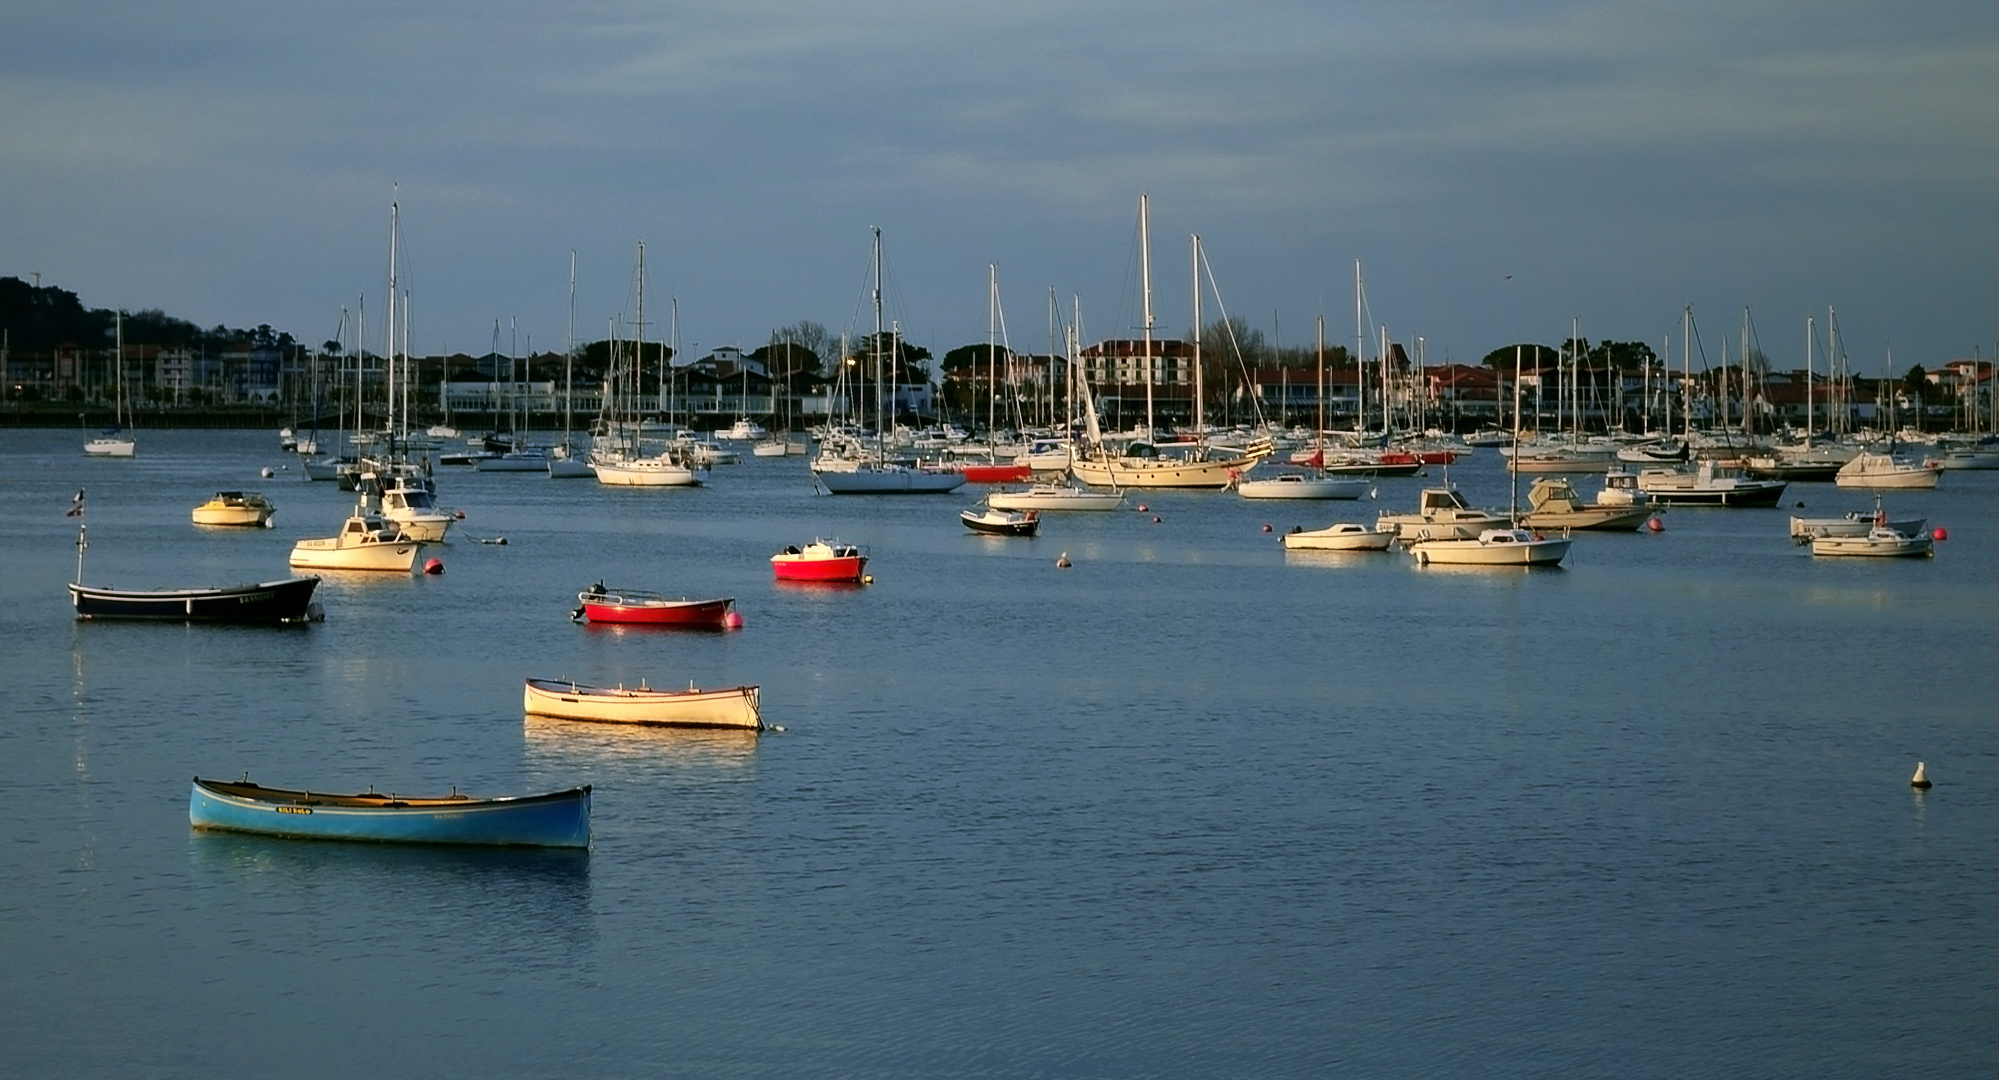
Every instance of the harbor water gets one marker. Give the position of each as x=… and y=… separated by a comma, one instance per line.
x=1192, y=807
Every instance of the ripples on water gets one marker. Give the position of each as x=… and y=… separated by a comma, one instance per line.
x=1194, y=807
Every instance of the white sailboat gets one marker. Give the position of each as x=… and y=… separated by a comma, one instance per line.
x=1142, y=464
x=623, y=463
x=116, y=443
x=1507, y=546
x=870, y=472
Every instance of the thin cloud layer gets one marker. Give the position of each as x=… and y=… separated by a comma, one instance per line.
x=233, y=163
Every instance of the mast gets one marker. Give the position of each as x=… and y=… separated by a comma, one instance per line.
x=1145, y=277
x=1200, y=425
x=1359, y=356
x=1320, y=350
x=992, y=349
x=880, y=453
x=1811, y=333
x=569, y=358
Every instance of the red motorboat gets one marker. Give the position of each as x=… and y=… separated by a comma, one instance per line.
x=820, y=560
x=997, y=474
x=631, y=606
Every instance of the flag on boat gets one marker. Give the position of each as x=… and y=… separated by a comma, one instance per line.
x=75, y=504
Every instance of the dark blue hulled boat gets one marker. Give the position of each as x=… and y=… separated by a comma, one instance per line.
x=287, y=601
x=557, y=819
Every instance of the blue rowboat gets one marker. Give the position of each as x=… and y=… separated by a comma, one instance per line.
x=557, y=819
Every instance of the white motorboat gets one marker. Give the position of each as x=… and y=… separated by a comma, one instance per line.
x=776, y=447
x=1493, y=547
x=1344, y=536
x=1055, y=497
x=743, y=430
x=1303, y=486
x=363, y=543
x=1441, y=514
x=1872, y=470
x=1853, y=523
x=1046, y=455
x=408, y=504
x=111, y=446
x=1709, y=483
x=1881, y=541
x=1554, y=504
x=525, y=459
x=244, y=508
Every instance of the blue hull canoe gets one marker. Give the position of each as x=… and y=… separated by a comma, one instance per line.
x=557, y=819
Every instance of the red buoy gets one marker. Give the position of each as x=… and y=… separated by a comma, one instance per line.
x=433, y=566
x=1155, y=519
x=458, y=515
x=1141, y=508
x=1266, y=526
x=1655, y=525
x=733, y=620
x=1941, y=533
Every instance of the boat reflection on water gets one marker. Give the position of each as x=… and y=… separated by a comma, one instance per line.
x=570, y=743
x=519, y=908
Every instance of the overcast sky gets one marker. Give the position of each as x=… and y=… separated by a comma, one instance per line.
x=1498, y=168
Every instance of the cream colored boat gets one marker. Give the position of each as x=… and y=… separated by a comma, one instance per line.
x=246, y=508
x=1493, y=547
x=1340, y=537
x=734, y=707
x=1441, y=514
x=1885, y=471
x=362, y=544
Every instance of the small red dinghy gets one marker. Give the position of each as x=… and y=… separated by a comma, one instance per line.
x=601, y=605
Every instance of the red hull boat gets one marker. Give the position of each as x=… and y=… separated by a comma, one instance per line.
x=819, y=561
x=997, y=474
x=630, y=606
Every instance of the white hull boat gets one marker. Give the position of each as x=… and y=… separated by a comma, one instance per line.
x=1149, y=471
x=1493, y=547
x=1880, y=541
x=111, y=446
x=886, y=479
x=362, y=544
x=1884, y=471
x=1341, y=537
x=237, y=508
x=662, y=471
x=1303, y=486
x=1055, y=497
x=1441, y=514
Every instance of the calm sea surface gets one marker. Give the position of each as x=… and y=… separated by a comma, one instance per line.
x=1191, y=808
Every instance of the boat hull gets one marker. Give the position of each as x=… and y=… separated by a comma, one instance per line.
x=1055, y=498
x=997, y=474
x=1878, y=543
x=287, y=601
x=1143, y=472
x=1480, y=552
x=645, y=472
x=326, y=554
x=734, y=707
x=890, y=480
x=643, y=610
x=1340, y=538
x=1001, y=522
x=557, y=819
x=819, y=562
x=1303, y=487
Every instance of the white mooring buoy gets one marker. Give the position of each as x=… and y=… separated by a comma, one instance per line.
x=1920, y=781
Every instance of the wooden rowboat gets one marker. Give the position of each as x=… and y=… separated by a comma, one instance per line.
x=287, y=601
x=734, y=707
x=557, y=819
x=632, y=606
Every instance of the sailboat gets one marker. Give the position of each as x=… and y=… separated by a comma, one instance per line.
x=623, y=463
x=1141, y=464
x=870, y=472
x=564, y=463
x=117, y=442
x=1508, y=546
